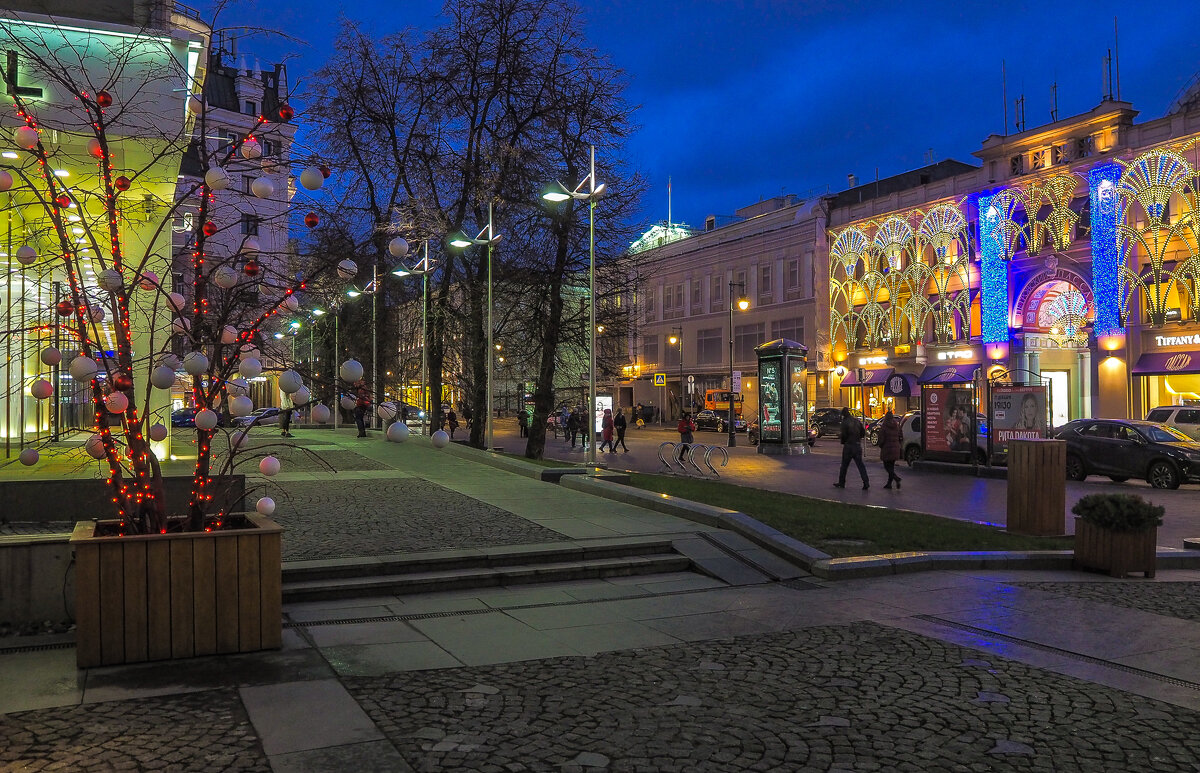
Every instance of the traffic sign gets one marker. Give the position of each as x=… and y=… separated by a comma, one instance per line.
x=660, y=379
x=737, y=381
x=691, y=379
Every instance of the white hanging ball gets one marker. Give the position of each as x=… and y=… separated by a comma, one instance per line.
x=229, y=334
x=263, y=188
x=351, y=370
x=51, y=356
x=83, y=368
x=158, y=432
x=312, y=179
x=195, y=363
x=290, y=381
x=301, y=396
x=265, y=506
x=237, y=386
x=269, y=466
x=241, y=406
x=224, y=277
x=117, y=402
x=26, y=137
x=110, y=279
x=29, y=457
x=93, y=147
x=206, y=419
x=239, y=440
x=347, y=269
x=251, y=245
x=96, y=314
x=95, y=446
x=195, y=106
x=250, y=367
x=162, y=377
x=398, y=432
x=216, y=178
x=387, y=411
x=251, y=149
x=181, y=325
x=170, y=360
x=440, y=439
x=398, y=247
x=348, y=402
x=41, y=389
x=6, y=180
x=320, y=413
x=291, y=303
x=26, y=255
x=176, y=302
x=250, y=351
x=148, y=280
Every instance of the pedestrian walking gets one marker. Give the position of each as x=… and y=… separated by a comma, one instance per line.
x=452, y=421
x=467, y=416
x=362, y=401
x=573, y=426
x=619, y=425
x=523, y=423
x=606, y=431
x=285, y=414
x=891, y=441
x=851, y=436
x=639, y=416
x=685, y=428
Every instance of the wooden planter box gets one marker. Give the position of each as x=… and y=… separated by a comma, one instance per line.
x=160, y=596
x=1115, y=552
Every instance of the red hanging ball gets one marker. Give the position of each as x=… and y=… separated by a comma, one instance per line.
x=210, y=228
x=311, y=220
x=104, y=99
x=325, y=171
x=122, y=183
x=252, y=268
x=62, y=200
x=122, y=382
x=64, y=308
x=286, y=113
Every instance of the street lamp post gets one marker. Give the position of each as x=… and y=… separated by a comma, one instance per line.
x=461, y=241
x=678, y=340
x=423, y=267
x=743, y=303
x=591, y=195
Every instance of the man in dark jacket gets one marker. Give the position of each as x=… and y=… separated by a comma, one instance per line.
x=851, y=436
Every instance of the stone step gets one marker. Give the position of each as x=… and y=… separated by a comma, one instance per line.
x=465, y=577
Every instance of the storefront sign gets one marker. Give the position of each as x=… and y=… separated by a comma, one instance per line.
x=1018, y=413
x=1189, y=340
x=948, y=419
x=957, y=354
x=868, y=361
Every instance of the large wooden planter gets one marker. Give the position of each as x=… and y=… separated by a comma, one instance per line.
x=1115, y=552
x=159, y=596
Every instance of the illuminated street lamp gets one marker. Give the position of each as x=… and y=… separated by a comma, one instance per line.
x=591, y=195
x=422, y=269
x=678, y=340
x=489, y=237
x=742, y=304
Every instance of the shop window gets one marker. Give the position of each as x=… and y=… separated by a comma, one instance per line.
x=708, y=346
x=745, y=338
x=791, y=328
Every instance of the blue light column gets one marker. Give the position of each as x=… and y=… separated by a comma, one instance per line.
x=993, y=274
x=1106, y=253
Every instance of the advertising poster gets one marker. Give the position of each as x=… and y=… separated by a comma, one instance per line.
x=770, y=420
x=1018, y=413
x=797, y=378
x=948, y=419
x=602, y=402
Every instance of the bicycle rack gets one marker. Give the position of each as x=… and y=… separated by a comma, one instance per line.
x=677, y=462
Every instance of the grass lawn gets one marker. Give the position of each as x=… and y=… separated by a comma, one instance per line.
x=844, y=529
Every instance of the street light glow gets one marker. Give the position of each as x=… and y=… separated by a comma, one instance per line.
x=460, y=242
x=318, y=312
x=556, y=196
x=353, y=293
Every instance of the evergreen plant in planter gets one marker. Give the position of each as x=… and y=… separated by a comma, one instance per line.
x=1116, y=533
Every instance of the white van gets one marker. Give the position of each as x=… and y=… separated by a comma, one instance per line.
x=1185, y=418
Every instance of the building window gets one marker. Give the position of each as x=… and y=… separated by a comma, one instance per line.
x=697, y=295
x=807, y=283
x=1058, y=154
x=1016, y=165
x=792, y=277
x=250, y=108
x=745, y=338
x=673, y=301
x=1037, y=159
x=716, y=295
x=250, y=224
x=247, y=182
x=708, y=346
x=650, y=350
x=652, y=303
x=270, y=148
x=791, y=328
x=766, y=291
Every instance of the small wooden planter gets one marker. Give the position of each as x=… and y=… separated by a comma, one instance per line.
x=1115, y=552
x=160, y=596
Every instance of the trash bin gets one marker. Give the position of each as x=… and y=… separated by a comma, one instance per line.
x=1037, y=487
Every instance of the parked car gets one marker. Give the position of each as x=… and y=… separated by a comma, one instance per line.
x=1128, y=448
x=1185, y=418
x=872, y=427
x=828, y=421
x=259, y=417
x=752, y=434
x=710, y=419
x=910, y=433
x=186, y=417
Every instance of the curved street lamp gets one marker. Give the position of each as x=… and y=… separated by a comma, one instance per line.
x=422, y=269
x=489, y=237
x=677, y=340
x=742, y=304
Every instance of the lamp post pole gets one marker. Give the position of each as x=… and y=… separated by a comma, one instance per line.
x=425, y=340
x=732, y=426
x=592, y=315
x=375, y=390
x=678, y=339
x=333, y=368
x=491, y=352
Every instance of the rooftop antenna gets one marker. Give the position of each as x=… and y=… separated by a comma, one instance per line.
x=1106, y=77
x=1054, y=102
x=668, y=201
x=1004, y=93
x=1116, y=59
x=1019, y=113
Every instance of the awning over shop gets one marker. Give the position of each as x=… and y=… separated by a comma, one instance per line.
x=871, y=377
x=956, y=373
x=1167, y=363
x=901, y=385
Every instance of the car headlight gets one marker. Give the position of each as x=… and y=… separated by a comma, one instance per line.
x=1192, y=456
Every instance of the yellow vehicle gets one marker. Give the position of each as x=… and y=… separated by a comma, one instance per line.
x=718, y=400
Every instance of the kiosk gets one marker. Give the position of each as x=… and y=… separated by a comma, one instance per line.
x=782, y=402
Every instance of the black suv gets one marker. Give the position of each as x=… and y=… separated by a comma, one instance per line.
x=1126, y=448
x=710, y=419
x=828, y=421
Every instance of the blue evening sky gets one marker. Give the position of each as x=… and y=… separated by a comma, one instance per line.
x=744, y=100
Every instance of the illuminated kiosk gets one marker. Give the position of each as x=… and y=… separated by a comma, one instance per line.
x=782, y=379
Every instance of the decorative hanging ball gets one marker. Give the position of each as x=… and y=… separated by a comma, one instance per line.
x=251, y=149
x=398, y=247
x=301, y=396
x=121, y=183
x=312, y=179
x=263, y=188
x=176, y=301
x=62, y=200
x=320, y=413
x=29, y=457
x=239, y=440
x=26, y=255
x=250, y=367
x=104, y=99
x=148, y=280
x=237, y=386
x=117, y=402
x=347, y=269
x=51, y=356
x=110, y=279
x=250, y=351
x=64, y=308
x=312, y=220
x=26, y=137
x=440, y=439
x=195, y=106
x=158, y=432
x=162, y=377
x=96, y=314
x=6, y=180
x=387, y=411
x=224, y=277
x=181, y=325
x=206, y=419
x=122, y=381
x=251, y=245
x=41, y=389
x=289, y=382
x=170, y=360
x=265, y=506
x=195, y=363
x=347, y=402
x=240, y=405
x=229, y=334
x=252, y=268
x=351, y=370
x=94, y=446
x=269, y=466
x=397, y=432
x=292, y=303
x=210, y=228
x=94, y=148
x=216, y=178
x=286, y=113
x=325, y=171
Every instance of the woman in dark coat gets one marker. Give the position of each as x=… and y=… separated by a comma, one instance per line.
x=889, y=447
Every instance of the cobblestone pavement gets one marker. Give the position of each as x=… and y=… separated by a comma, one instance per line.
x=202, y=731
x=1173, y=599
x=303, y=458
x=856, y=697
x=347, y=517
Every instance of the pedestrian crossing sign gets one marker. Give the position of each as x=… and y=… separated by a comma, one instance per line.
x=660, y=379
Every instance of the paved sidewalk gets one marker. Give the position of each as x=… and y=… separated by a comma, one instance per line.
x=967, y=670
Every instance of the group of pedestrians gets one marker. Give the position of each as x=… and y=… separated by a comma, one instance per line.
x=890, y=443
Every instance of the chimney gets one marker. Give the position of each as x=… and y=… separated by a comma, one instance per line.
x=851, y=181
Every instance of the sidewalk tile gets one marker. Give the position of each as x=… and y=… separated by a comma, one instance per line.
x=297, y=716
